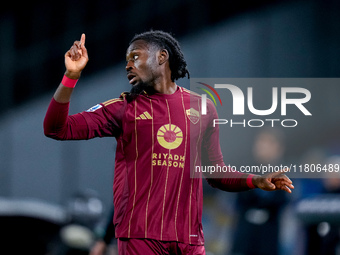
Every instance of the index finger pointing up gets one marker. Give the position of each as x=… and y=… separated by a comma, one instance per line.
x=82, y=39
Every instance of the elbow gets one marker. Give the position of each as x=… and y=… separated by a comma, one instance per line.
x=48, y=130
x=55, y=136
x=52, y=133
x=215, y=183
x=219, y=184
x=47, y=133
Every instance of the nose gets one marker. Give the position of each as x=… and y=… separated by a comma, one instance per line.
x=129, y=66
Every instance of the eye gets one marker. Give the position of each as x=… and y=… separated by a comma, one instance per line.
x=135, y=57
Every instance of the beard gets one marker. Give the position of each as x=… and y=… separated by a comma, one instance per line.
x=140, y=88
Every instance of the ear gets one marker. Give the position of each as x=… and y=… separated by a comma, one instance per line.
x=163, y=56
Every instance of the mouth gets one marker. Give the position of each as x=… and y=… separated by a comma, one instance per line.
x=132, y=78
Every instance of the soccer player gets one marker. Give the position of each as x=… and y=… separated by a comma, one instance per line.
x=160, y=138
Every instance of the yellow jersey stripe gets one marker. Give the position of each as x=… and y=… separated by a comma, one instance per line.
x=111, y=101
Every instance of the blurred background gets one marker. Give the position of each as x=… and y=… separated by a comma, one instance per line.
x=56, y=197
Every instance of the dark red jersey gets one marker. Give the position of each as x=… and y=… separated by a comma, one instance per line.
x=160, y=138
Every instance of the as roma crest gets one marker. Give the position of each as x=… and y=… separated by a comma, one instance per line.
x=193, y=115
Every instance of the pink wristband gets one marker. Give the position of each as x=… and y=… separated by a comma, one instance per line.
x=250, y=182
x=67, y=82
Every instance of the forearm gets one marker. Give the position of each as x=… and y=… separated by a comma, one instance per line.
x=63, y=93
x=231, y=184
x=58, y=125
x=55, y=119
x=230, y=180
x=55, y=122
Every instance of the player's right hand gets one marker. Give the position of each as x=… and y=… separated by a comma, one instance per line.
x=76, y=59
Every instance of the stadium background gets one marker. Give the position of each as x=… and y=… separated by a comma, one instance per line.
x=219, y=39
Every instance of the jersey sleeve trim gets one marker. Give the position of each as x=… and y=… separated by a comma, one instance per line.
x=111, y=101
x=114, y=100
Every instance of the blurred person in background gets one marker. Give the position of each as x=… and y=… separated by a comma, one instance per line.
x=307, y=189
x=258, y=213
x=322, y=228
x=328, y=231
x=103, y=244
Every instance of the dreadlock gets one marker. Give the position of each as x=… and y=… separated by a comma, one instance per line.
x=164, y=40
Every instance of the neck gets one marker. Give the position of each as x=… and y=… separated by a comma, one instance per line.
x=165, y=86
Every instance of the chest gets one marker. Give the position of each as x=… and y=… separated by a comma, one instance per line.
x=163, y=119
x=166, y=124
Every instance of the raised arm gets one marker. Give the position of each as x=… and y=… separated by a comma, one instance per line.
x=57, y=123
x=101, y=120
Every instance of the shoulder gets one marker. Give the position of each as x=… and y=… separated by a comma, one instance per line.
x=120, y=99
x=188, y=92
x=119, y=102
x=111, y=103
x=191, y=96
x=195, y=96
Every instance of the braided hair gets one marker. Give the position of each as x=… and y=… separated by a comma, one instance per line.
x=164, y=40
